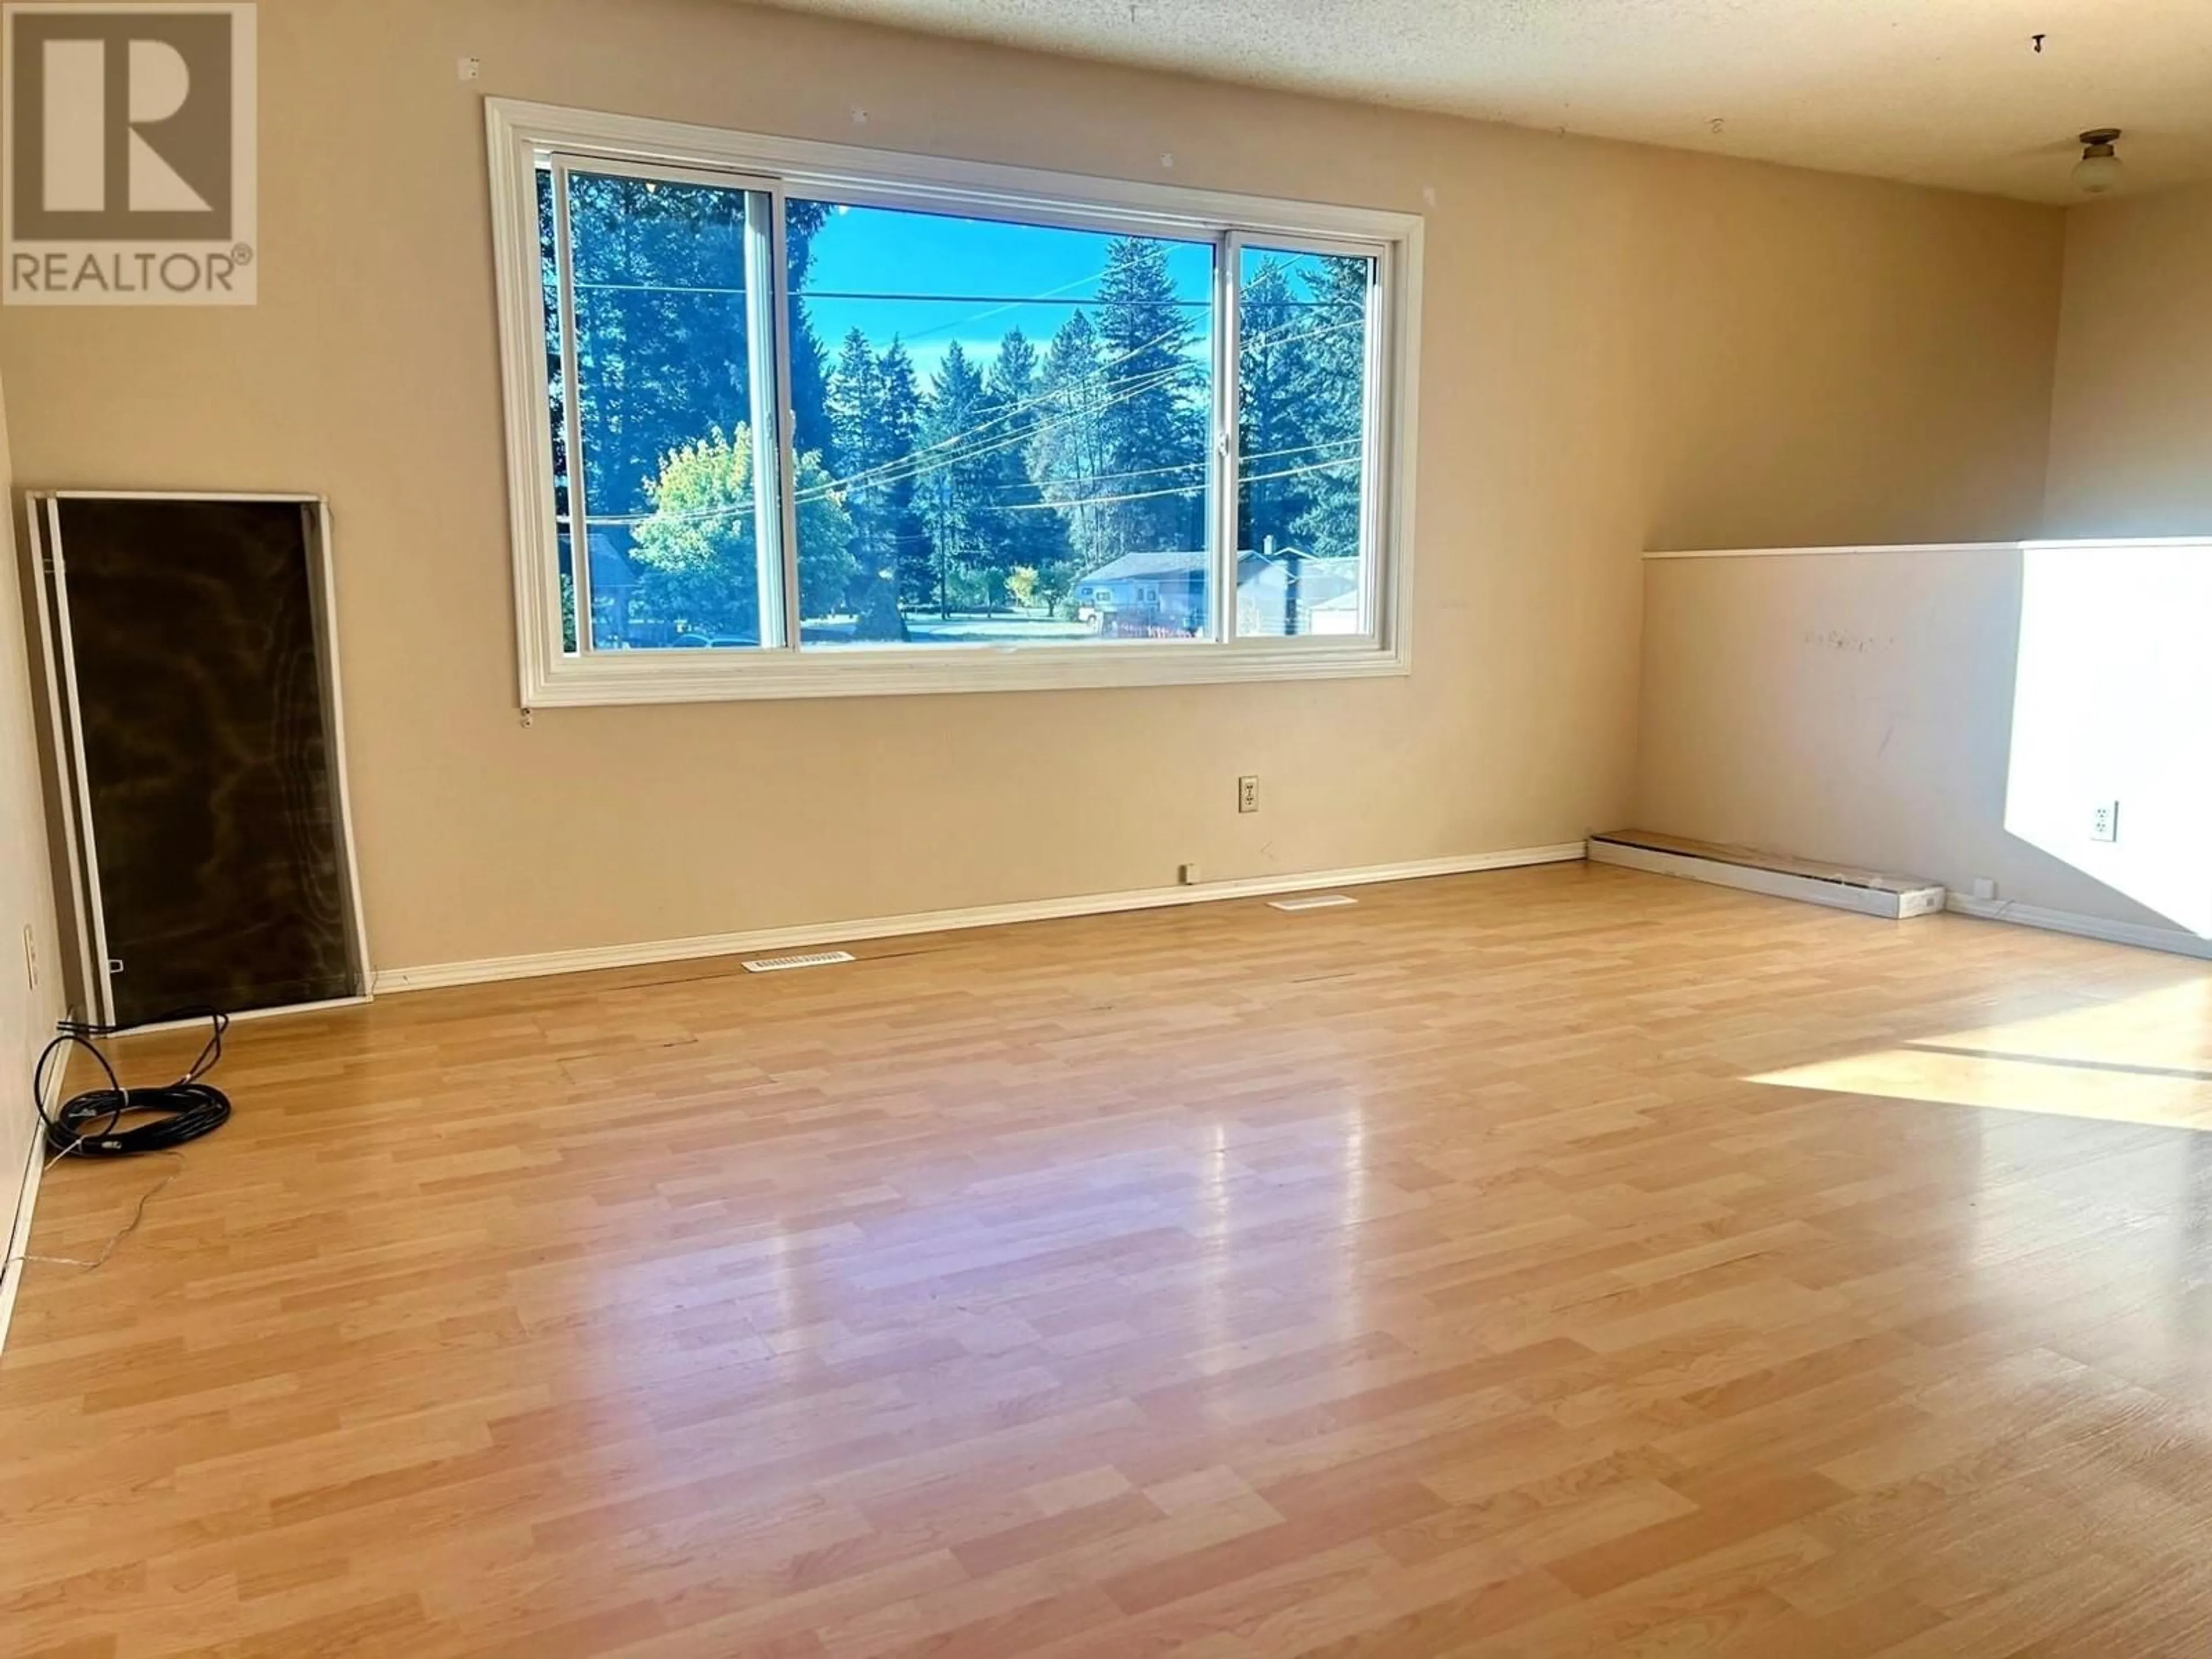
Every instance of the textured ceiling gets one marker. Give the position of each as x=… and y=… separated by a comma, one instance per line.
x=1942, y=92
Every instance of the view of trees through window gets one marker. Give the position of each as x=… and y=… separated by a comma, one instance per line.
x=1003, y=432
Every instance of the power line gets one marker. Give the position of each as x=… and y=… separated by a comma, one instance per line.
x=977, y=317
x=579, y=286
x=916, y=464
x=1046, y=299
x=902, y=468
x=742, y=511
x=1198, y=463
x=905, y=467
x=1064, y=503
x=830, y=489
x=1155, y=494
x=1142, y=384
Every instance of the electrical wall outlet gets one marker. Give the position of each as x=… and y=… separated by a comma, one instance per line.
x=1985, y=888
x=1247, y=792
x=1187, y=875
x=2104, y=821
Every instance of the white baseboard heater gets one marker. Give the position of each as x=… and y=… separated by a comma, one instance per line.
x=1867, y=891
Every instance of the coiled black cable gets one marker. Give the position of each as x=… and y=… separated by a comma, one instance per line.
x=90, y=1125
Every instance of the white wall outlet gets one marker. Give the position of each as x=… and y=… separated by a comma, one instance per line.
x=1187, y=875
x=1985, y=888
x=1247, y=792
x=468, y=69
x=2104, y=821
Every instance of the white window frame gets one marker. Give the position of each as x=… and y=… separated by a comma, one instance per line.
x=521, y=136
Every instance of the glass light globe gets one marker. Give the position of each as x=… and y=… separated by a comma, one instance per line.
x=2097, y=172
x=2095, y=175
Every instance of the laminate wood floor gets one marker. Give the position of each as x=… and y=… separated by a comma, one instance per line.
x=1549, y=1262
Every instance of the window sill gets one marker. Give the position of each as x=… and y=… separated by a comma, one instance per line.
x=617, y=678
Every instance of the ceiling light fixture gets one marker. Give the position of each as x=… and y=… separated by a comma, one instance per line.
x=2098, y=170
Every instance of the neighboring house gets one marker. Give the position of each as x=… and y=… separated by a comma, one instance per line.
x=1326, y=600
x=1164, y=592
x=614, y=581
x=613, y=576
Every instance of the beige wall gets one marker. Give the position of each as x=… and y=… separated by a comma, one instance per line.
x=2131, y=412
x=1621, y=346
x=1839, y=361
x=27, y=1014
x=1862, y=709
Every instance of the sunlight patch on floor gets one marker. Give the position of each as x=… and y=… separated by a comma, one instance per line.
x=2146, y=1058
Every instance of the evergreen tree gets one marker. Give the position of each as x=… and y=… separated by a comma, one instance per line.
x=1275, y=375
x=661, y=351
x=810, y=399
x=898, y=418
x=872, y=412
x=1333, y=402
x=1067, y=449
x=854, y=405
x=1013, y=376
x=660, y=336
x=663, y=354
x=953, y=491
x=1029, y=533
x=1152, y=435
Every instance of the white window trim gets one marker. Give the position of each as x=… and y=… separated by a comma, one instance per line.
x=519, y=132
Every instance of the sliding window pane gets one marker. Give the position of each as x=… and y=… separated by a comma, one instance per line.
x=1001, y=427
x=678, y=531
x=557, y=384
x=1302, y=395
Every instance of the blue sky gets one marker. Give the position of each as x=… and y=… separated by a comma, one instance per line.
x=991, y=276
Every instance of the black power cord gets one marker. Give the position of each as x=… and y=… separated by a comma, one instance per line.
x=90, y=1125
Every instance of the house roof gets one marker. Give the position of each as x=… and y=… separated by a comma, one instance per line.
x=1176, y=562
x=1160, y=562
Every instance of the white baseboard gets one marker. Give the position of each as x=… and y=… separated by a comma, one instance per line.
x=27, y=1200
x=1883, y=902
x=768, y=940
x=2175, y=940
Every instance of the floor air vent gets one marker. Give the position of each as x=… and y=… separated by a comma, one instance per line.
x=811, y=959
x=1318, y=901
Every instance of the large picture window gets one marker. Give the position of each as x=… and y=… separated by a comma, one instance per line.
x=791, y=419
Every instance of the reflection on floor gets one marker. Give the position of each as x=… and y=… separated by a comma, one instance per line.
x=1443, y=1275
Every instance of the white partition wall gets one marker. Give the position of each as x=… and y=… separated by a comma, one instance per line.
x=1956, y=710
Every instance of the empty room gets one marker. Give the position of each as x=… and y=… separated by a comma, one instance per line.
x=917, y=829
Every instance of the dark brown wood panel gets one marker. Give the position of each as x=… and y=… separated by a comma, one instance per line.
x=220, y=865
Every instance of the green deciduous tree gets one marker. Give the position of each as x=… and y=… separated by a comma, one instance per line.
x=698, y=552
